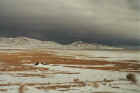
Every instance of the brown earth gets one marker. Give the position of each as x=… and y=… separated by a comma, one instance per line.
x=31, y=57
x=15, y=62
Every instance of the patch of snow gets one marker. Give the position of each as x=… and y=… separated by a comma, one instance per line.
x=109, y=55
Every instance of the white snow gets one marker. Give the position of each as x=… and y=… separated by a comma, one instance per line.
x=85, y=75
x=109, y=55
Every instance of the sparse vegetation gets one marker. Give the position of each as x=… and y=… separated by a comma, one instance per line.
x=131, y=77
x=12, y=64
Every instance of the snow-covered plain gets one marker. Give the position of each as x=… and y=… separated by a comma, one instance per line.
x=95, y=81
x=109, y=55
x=61, y=78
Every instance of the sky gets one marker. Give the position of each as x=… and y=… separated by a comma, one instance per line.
x=111, y=22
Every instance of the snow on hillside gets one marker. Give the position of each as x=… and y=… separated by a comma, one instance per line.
x=84, y=45
x=24, y=42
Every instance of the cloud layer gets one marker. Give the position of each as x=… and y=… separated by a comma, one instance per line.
x=105, y=21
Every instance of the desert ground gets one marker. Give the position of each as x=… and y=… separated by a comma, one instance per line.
x=69, y=71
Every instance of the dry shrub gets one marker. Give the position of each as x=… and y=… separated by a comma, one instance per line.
x=131, y=77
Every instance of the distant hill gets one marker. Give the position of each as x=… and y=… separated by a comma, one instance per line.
x=24, y=42
x=85, y=45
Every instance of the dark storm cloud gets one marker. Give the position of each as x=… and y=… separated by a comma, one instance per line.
x=134, y=4
x=104, y=21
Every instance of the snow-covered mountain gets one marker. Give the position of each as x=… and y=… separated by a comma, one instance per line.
x=84, y=45
x=24, y=42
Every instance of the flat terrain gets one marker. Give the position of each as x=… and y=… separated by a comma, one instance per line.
x=67, y=71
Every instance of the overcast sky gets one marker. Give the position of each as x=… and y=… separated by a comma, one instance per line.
x=104, y=21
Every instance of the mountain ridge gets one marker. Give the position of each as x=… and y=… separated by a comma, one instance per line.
x=25, y=42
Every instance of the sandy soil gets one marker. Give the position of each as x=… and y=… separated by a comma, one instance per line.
x=58, y=74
